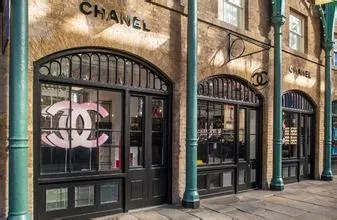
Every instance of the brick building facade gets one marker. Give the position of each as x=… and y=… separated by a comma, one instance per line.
x=159, y=39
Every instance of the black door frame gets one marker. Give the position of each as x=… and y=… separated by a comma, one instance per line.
x=256, y=103
x=51, y=181
x=297, y=102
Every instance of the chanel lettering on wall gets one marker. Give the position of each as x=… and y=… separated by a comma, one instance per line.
x=112, y=15
x=299, y=71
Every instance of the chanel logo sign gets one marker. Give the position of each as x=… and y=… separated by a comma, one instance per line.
x=80, y=136
x=260, y=78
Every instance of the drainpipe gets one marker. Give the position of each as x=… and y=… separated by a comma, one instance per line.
x=327, y=18
x=18, y=112
x=278, y=20
x=191, y=195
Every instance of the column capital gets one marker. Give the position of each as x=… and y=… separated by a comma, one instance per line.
x=328, y=45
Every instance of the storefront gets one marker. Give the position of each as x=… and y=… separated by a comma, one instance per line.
x=298, y=137
x=102, y=133
x=229, y=132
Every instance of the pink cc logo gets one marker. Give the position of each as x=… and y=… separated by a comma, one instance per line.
x=78, y=111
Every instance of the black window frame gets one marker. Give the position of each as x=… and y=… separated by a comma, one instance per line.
x=42, y=182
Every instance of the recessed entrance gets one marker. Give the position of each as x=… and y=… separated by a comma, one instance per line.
x=298, y=137
x=229, y=136
x=102, y=134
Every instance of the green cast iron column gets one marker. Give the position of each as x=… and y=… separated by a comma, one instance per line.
x=191, y=195
x=327, y=172
x=277, y=20
x=18, y=108
x=327, y=18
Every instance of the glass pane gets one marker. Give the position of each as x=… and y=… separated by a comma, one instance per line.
x=104, y=71
x=202, y=149
x=109, y=193
x=301, y=170
x=334, y=135
x=252, y=175
x=242, y=176
x=136, y=113
x=84, y=152
x=252, y=146
x=227, y=179
x=54, y=151
x=293, y=170
x=84, y=106
x=285, y=172
x=157, y=115
x=84, y=196
x=136, y=155
x=110, y=151
x=214, y=180
x=290, y=133
x=94, y=67
x=252, y=121
x=295, y=24
x=157, y=149
x=110, y=110
x=56, y=199
x=202, y=181
x=54, y=106
x=85, y=74
x=214, y=153
x=75, y=67
x=242, y=134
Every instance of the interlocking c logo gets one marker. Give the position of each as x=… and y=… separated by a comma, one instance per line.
x=260, y=78
x=78, y=111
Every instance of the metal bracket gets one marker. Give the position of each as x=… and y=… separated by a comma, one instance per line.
x=237, y=46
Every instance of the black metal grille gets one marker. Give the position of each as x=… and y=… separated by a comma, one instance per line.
x=103, y=66
x=296, y=100
x=229, y=88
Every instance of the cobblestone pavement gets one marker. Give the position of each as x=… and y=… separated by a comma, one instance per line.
x=305, y=200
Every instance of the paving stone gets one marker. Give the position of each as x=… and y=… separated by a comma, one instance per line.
x=240, y=215
x=208, y=214
x=293, y=212
x=255, y=195
x=311, y=216
x=308, y=207
x=117, y=217
x=176, y=214
x=268, y=214
x=219, y=207
x=149, y=215
x=249, y=207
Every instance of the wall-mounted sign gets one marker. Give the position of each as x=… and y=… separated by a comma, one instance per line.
x=260, y=78
x=299, y=71
x=113, y=15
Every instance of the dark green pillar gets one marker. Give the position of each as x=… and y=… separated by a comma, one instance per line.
x=277, y=21
x=327, y=172
x=18, y=112
x=191, y=195
x=327, y=18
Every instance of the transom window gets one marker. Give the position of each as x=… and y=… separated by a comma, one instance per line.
x=232, y=12
x=296, y=32
x=107, y=68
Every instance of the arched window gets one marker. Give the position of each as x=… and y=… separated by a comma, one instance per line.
x=102, y=66
x=229, y=88
x=297, y=101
